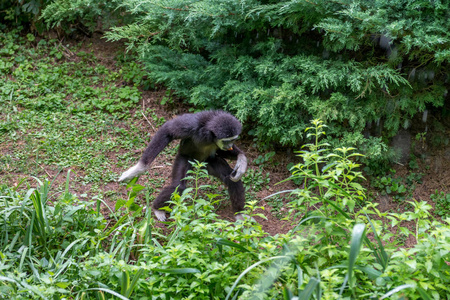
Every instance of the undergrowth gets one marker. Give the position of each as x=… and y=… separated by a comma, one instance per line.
x=54, y=246
x=55, y=243
x=61, y=109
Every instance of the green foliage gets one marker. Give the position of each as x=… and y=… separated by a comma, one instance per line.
x=71, y=14
x=84, y=16
x=276, y=64
x=315, y=262
x=45, y=240
x=442, y=200
x=255, y=179
x=329, y=179
x=277, y=205
x=392, y=186
x=397, y=187
x=263, y=159
x=23, y=12
x=55, y=244
x=56, y=113
x=67, y=249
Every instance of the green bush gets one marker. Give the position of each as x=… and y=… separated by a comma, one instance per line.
x=277, y=64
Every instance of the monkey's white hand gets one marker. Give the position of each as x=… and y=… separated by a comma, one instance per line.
x=239, y=169
x=132, y=172
x=242, y=217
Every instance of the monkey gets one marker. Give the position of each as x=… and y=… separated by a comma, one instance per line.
x=206, y=136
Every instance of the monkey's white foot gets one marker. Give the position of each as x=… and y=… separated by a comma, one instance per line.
x=242, y=217
x=160, y=215
x=132, y=172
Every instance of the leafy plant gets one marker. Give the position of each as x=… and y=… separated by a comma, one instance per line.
x=398, y=188
x=391, y=186
x=442, y=203
x=255, y=180
x=334, y=186
x=263, y=159
x=277, y=205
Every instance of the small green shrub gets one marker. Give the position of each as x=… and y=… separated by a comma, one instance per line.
x=330, y=179
x=391, y=186
x=398, y=188
x=255, y=180
x=442, y=203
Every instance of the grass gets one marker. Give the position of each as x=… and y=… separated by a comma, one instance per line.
x=58, y=114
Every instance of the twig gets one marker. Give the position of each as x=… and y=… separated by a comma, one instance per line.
x=43, y=169
x=148, y=121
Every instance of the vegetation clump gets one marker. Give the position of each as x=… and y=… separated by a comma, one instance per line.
x=275, y=64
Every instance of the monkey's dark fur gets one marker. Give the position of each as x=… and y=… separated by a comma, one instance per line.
x=202, y=137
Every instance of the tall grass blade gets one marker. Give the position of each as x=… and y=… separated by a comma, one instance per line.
x=22, y=257
x=379, y=252
x=299, y=278
x=125, y=282
x=224, y=242
x=177, y=271
x=134, y=282
x=309, y=289
x=248, y=270
x=355, y=247
x=397, y=289
x=107, y=291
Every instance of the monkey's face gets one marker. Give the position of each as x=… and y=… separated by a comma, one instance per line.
x=226, y=144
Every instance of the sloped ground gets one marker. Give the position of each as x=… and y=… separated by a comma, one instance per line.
x=434, y=166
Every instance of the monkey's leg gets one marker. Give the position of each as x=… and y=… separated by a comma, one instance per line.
x=219, y=168
x=179, y=170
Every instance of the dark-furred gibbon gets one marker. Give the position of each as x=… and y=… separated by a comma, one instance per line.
x=207, y=136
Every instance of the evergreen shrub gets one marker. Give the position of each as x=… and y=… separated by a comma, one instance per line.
x=276, y=64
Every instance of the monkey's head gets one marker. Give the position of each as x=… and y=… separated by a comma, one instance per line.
x=226, y=129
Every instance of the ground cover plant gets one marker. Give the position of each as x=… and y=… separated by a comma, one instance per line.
x=65, y=109
x=56, y=242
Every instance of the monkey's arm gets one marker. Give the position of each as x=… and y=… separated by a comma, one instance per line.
x=177, y=128
x=241, y=164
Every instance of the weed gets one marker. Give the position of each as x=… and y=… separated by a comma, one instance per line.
x=391, y=186
x=442, y=203
x=398, y=188
x=277, y=205
x=255, y=180
x=264, y=159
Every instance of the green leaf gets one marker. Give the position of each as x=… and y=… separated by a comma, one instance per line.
x=411, y=263
x=120, y=203
x=225, y=242
x=424, y=294
x=355, y=247
x=309, y=289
